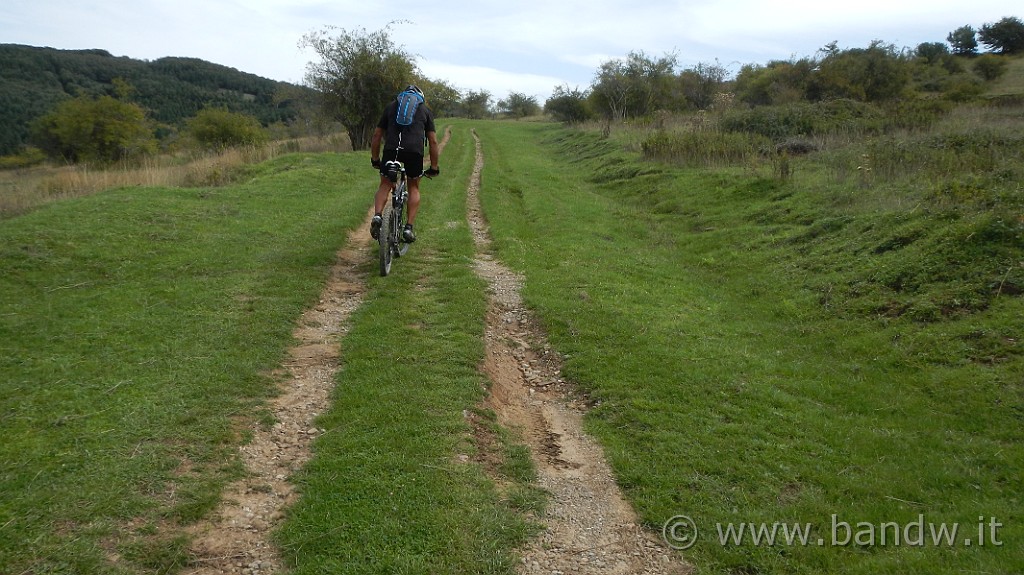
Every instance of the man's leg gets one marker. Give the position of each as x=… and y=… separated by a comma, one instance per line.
x=382, y=195
x=378, y=206
x=414, y=198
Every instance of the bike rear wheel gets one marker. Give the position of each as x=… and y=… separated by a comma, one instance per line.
x=401, y=218
x=384, y=239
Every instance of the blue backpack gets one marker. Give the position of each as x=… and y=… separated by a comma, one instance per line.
x=408, y=102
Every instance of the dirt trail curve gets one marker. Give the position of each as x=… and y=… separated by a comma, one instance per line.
x=591, y=529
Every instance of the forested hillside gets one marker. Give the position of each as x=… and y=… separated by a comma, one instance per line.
x=33, y=80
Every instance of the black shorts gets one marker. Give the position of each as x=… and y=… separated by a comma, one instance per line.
x=413, y=161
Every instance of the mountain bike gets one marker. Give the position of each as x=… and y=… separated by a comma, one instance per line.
x=394, y=217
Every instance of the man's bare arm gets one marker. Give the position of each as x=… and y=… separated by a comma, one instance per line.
x=434, y=153
x=378, y=135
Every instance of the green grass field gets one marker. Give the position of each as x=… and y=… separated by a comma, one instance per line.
x=755, y=351
x=137, y=331
x=694, y=309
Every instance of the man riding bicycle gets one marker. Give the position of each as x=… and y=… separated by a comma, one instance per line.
x=403, y=143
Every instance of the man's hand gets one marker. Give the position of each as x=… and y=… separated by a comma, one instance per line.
x=430, y=173
x=375, y=163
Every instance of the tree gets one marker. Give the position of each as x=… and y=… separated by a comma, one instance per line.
x=635, y=86
x=103, y=129
x=780, y=82
x=476, y=105
x=932, y=52
x=964, y=41
x=567, y=105
x=442, y=98
x=873, y=74
x=701, y=83
x=1004, y=37
x=217, y=129
x=357, y=75
x=519, y=105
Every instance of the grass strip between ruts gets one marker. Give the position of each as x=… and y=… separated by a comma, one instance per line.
x=386, y=492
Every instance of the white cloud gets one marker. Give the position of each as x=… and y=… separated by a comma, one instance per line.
x=497, y=82
x=530, y=46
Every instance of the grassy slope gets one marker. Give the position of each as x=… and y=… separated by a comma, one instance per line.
x=1012, y=81
x=136, y=327
x=725, y=391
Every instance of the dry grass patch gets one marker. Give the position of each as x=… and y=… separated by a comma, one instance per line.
x=26, y=189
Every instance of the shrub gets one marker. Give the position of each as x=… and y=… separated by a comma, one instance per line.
x=963, y=90
x=95, y=129
x=26, y=158
x=568, y=105
x=990, y=67
x=218, y=129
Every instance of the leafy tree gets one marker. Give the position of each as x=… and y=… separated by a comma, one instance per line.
x=357, y=75
x=1004, y=37
x=217, y=129
x=567, y=105
x=964, y=41
x=442, y=98
x=932, y=52
x=519, y=105
x=476, y=104
x=701, y=83
x=873, y=74
x=780, y=82
x=95, y=130
x=635, y=86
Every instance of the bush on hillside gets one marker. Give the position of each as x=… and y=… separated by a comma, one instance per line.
x=219, y=129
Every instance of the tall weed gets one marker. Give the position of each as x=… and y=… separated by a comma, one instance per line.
x=704, y=149
x=806, y=119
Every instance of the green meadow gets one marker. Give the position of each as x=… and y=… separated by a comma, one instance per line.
x=799, y=346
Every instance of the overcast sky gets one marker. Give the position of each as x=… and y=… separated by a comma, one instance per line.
x=526, y=46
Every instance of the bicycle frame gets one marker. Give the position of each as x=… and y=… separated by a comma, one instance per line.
x=393, y=215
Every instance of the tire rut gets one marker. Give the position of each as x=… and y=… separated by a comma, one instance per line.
x=237, y=537
x=590, y=527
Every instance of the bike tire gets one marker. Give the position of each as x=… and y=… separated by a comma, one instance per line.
x=403, y=217
x=384, y=239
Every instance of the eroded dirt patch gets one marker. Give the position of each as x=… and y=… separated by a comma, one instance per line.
x=237, y=538
x=590, y=528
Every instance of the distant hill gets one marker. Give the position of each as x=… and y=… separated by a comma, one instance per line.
x=34, y=80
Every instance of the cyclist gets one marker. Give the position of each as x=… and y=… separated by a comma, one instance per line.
x=404, y=143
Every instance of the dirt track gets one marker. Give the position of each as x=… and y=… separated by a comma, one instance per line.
x=590, y=526
x=237, y=538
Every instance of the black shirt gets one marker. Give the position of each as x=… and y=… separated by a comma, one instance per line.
x=413, y=136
